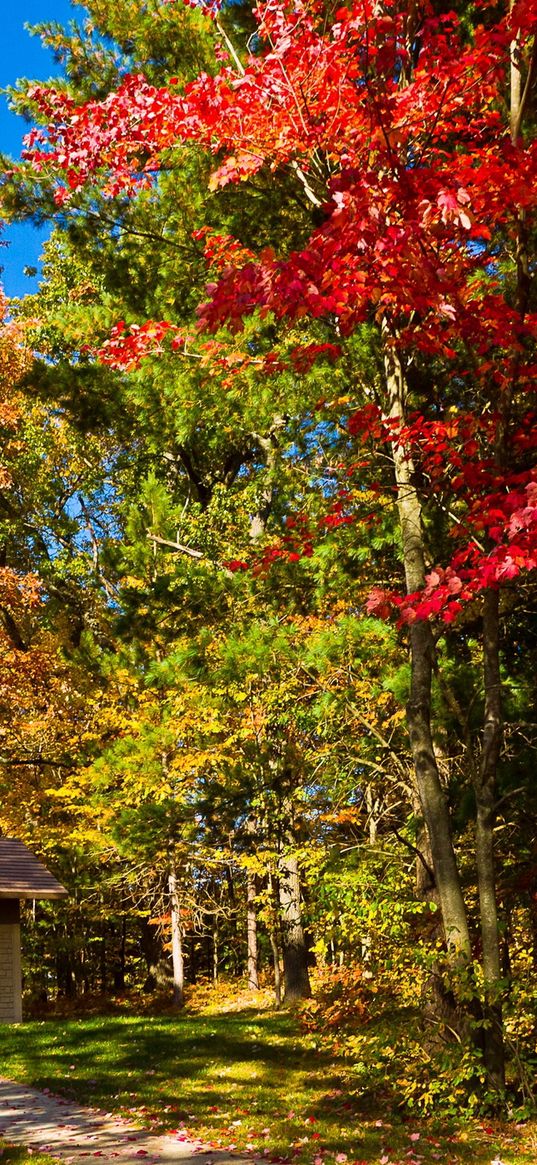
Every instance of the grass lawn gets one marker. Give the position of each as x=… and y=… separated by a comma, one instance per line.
x=246, y=1078
x=14, y=1155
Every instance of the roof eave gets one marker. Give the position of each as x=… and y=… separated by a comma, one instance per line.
x=33, y=895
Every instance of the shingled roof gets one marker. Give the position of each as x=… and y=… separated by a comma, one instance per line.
x=22, y=875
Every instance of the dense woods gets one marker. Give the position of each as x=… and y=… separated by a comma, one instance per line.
x=268, y=515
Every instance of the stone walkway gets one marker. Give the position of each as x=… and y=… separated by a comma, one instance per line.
x=63, y=1129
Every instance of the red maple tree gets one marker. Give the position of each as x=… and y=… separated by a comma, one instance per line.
x=396, y=124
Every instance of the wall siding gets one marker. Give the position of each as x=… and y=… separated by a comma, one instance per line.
x=10, y=973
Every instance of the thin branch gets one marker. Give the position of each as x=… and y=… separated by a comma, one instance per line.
x=231, y=48
x=188, y=550
x=507, y=796
x=39, y=762
x=375, y=732
x=136, y=231
x=404, y=841
x=310, y=194
x=198, y=555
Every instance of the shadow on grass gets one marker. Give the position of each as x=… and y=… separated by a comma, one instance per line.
x=249, y=1068
x=244, y=1077
x=98, y=1059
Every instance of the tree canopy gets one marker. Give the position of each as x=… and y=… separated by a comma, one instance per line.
x=269, y=504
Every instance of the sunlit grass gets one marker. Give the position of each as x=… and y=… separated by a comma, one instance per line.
x=249, y=1079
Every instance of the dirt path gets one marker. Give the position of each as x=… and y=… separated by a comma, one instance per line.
x=75, y=1134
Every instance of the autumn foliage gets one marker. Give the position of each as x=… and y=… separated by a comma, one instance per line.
x=365, y=107
x=304, y=347
x=22, y=671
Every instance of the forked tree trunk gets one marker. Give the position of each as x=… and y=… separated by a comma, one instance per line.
x=251, y=926
x=177, y=944
x=432, y=797
x=295, y=952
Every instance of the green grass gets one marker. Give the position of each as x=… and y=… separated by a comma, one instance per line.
x=240, y=1078
x=15, y=1155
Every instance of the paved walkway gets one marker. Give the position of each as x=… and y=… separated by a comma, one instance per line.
x=64, y=1129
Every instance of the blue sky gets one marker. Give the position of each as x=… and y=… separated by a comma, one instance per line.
x=22, y=55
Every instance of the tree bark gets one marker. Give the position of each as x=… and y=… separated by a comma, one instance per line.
x=432, y=797
x=65, y=975
x=103, y=961
x=177, y=944
x=277, y=972
x=273, y=933
x=158, y=966
x=485, y=791
x=269, y=447
x=251, y=926
x=295, y=952
x=215, y=948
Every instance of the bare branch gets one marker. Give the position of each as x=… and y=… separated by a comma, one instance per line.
x=188, y=550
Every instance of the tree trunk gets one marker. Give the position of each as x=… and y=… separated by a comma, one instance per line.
x=158, y=967
x=273, y=931
x=216, y=956
x=276, y=964
x=438, y=1000
x=295, y=952
x=485, y=791
x=433, y=801
x=269, y=446
x=103, y=961
x=193, y=960
x=177, y=944
x=372, y=805
x=251, y=926
x=119, y=968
